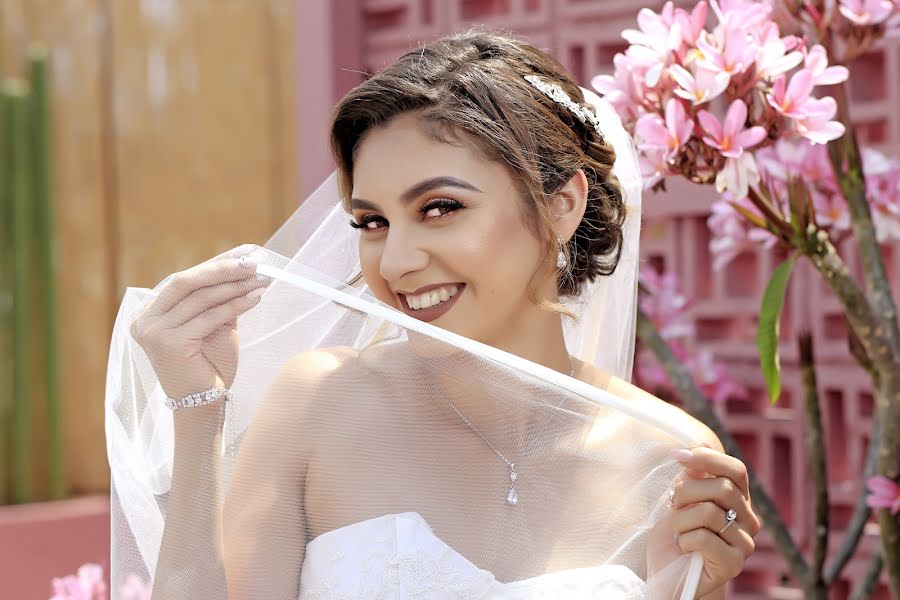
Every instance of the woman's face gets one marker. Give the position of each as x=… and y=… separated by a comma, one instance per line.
x=443, y=237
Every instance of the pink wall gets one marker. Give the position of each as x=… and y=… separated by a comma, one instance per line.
x=347, y=36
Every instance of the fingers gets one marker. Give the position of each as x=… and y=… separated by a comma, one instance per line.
x=710, y=516
x=728, y=558
x=720, y=491
x=717, y=464
x=208, y=321
x=228, y=268
x=206, y=298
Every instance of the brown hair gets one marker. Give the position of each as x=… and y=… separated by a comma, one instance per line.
x=472, y=85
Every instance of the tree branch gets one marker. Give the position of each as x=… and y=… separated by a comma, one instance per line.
x=815, y=449
x=867, y=583
x=699, y=406
x=861, y=513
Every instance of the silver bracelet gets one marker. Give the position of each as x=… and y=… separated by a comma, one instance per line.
x=200, y=398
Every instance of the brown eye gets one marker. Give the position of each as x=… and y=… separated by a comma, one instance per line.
x=368, y=222
x=440, y=207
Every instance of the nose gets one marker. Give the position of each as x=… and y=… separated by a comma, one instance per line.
x=402, y=254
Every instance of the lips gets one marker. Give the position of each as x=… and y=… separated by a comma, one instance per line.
x=432, y=312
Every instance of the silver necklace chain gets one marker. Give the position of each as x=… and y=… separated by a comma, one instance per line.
x=512, y=496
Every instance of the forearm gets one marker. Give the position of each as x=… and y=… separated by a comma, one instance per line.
x=190, y=561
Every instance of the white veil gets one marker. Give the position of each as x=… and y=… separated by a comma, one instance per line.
x=311, y=308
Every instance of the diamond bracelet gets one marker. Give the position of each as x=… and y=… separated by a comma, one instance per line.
x=199, y=399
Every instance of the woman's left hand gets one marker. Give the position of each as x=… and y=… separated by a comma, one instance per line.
x=716, y=483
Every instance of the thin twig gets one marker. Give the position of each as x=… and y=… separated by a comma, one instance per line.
x=870, y=579
x=854, y=532
x=700, y=407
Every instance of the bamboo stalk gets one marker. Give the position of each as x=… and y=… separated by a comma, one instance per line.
x=45, y=244
x=6, y=293
x=15, y=95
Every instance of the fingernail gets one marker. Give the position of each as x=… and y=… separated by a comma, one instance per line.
x=681, y=455
x=261, y=277
x=707, y=444
x=245, y=262
x=256, y=294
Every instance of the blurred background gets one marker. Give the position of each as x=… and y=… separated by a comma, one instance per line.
x=140, y=137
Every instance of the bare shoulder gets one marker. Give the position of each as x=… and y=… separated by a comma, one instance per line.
x=649, y=403
x=303, y=382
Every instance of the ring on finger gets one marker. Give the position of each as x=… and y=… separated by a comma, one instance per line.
x=730, y=518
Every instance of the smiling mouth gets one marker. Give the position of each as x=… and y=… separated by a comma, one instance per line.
x=437, y=305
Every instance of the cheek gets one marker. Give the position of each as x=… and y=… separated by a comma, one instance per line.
x=370, y=263
x=501, y=253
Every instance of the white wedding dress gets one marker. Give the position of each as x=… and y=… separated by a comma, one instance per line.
x=398, y=557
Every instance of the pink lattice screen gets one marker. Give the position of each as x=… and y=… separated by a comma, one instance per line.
x=585, y=35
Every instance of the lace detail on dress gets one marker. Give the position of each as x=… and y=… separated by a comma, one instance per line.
x=398, y=557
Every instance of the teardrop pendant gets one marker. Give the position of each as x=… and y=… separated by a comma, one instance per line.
x=512, y=497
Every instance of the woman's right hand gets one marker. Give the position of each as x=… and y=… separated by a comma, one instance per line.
x=189, y=331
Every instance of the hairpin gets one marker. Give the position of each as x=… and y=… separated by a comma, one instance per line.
x=558, y=95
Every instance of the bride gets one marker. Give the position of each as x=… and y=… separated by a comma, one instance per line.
x=455, y=421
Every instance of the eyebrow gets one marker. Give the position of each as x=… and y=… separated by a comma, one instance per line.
x=417, y=190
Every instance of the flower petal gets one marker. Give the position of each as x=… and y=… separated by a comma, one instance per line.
x=751, y=137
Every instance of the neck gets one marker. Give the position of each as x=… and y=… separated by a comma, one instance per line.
x=505, y=421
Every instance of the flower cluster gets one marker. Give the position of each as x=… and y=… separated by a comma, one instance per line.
x=676, y=71
x=800, y=160
x=870, y=12
x=665, y=304
x=883, y=493
x=89, y=584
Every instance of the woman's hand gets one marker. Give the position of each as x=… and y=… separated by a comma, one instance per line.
x=716, y=483
x=189, y=331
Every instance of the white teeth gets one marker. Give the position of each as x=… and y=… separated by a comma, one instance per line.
x=431, y=298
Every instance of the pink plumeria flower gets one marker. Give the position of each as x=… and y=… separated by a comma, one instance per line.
x=728, y=50
x=692, y=23
x=699, y=88
x=624, y=89
x=738, y=176
x=883, y=493
x=790, y=99
x=729, y=233
x=773, y=57
x=665, y=303
x=817, y=62
x=731, y=139
x=670, y=135
x=866, y=12
x=732, y=234
x=831, y=211
x=883, y=192
x=652, y=162
x=87, y=584
x=746, y=14
x=713, y=377
x=658, y=37
x=816, y=125
x=134, y=588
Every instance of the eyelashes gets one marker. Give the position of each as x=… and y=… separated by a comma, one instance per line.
x=445, y=206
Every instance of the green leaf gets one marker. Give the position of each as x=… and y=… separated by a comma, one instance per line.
x=767, y=335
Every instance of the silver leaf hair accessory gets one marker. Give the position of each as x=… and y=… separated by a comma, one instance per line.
x=558, y=95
